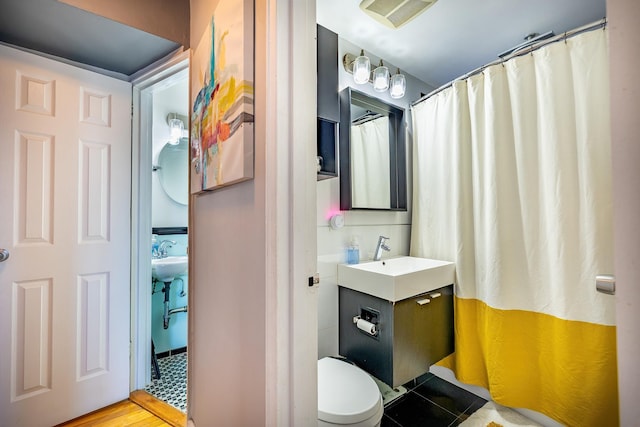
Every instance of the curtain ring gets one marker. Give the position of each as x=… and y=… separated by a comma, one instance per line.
x=565, y=37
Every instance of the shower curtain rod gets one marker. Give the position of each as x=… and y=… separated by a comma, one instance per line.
x=367, y=117
x=589, y=27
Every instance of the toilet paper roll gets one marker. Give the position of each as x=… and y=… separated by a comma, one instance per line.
x=368, y=327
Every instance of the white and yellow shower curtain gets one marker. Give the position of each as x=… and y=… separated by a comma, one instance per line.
x=512, y=180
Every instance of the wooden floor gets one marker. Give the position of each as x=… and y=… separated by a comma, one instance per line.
x=147, y=412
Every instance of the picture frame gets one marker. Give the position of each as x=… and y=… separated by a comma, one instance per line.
x=222, y=96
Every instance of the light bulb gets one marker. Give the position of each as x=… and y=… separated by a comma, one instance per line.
x=381, y=78
x=176, y=127
x=361, y=69
x=398, y=85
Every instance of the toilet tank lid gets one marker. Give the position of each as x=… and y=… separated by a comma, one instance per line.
x=346, y=393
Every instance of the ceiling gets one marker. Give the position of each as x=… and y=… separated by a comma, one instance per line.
x=64, y=31
x=453, y=37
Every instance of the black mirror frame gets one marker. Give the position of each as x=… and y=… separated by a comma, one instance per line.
x=397, y=149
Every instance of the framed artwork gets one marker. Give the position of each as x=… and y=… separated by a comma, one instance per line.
x=222, y=129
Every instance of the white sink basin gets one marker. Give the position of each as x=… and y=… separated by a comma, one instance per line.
x=166, y=269
x=395, y=279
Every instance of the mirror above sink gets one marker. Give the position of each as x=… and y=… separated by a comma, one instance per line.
x=373, y=169
x=395, y=279
x=173, y=170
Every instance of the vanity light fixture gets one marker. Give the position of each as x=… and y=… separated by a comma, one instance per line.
x=398, y=85
x=381, y=78
x=176, y=124
x=359, y=66
x=176, y=127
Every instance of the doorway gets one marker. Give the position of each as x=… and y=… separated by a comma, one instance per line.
x=159, y=232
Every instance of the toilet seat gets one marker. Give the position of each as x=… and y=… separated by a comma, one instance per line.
x=346, y=393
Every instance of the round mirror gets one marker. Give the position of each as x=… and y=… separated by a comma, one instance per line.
x=173, y=171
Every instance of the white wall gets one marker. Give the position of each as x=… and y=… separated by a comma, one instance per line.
x=227, y=293
x=624, y=16
x=165, y=212
x=253, y=333
x=366, y=225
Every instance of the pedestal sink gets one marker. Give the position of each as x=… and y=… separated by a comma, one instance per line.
x=395, y=279
x=166, y=269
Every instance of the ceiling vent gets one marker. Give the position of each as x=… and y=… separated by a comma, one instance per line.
x=395, y=13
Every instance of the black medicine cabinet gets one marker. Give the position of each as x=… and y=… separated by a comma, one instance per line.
x=334, y=120
x=352, y=103
x=327, y=102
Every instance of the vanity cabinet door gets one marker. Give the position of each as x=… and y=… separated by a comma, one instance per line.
x=372, y=353
x=423, y=333
x=441, y=327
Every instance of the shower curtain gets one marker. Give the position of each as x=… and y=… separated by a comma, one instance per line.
x=370, y=163
x=512, y=181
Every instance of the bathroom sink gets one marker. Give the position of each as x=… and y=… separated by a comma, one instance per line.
x=166, y=269
x=395, y=279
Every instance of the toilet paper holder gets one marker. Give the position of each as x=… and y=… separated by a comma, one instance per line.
x=365, y=326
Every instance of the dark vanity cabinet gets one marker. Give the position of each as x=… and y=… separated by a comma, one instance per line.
x=413, y=333
x=328, y=102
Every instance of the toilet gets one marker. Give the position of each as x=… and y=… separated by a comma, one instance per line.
x=347, y=395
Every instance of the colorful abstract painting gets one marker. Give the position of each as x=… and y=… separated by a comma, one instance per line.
x=222, y=93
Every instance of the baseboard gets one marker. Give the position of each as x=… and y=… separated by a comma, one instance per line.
x=171, y=352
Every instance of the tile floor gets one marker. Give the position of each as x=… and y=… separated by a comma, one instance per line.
x=431, y=401
x=172, y=385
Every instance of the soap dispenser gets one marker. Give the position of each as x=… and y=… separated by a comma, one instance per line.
x=353, y=251
x=154, y=246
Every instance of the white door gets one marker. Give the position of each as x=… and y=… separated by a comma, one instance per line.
x=64, y=218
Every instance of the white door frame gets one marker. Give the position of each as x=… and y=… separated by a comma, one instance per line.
x=141, y=159
x=292, y=305
x=623, y=16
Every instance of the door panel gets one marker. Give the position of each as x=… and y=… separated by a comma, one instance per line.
x=65, y=171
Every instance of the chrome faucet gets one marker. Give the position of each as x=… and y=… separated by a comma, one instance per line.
x=382, y=245
x=163, y=246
